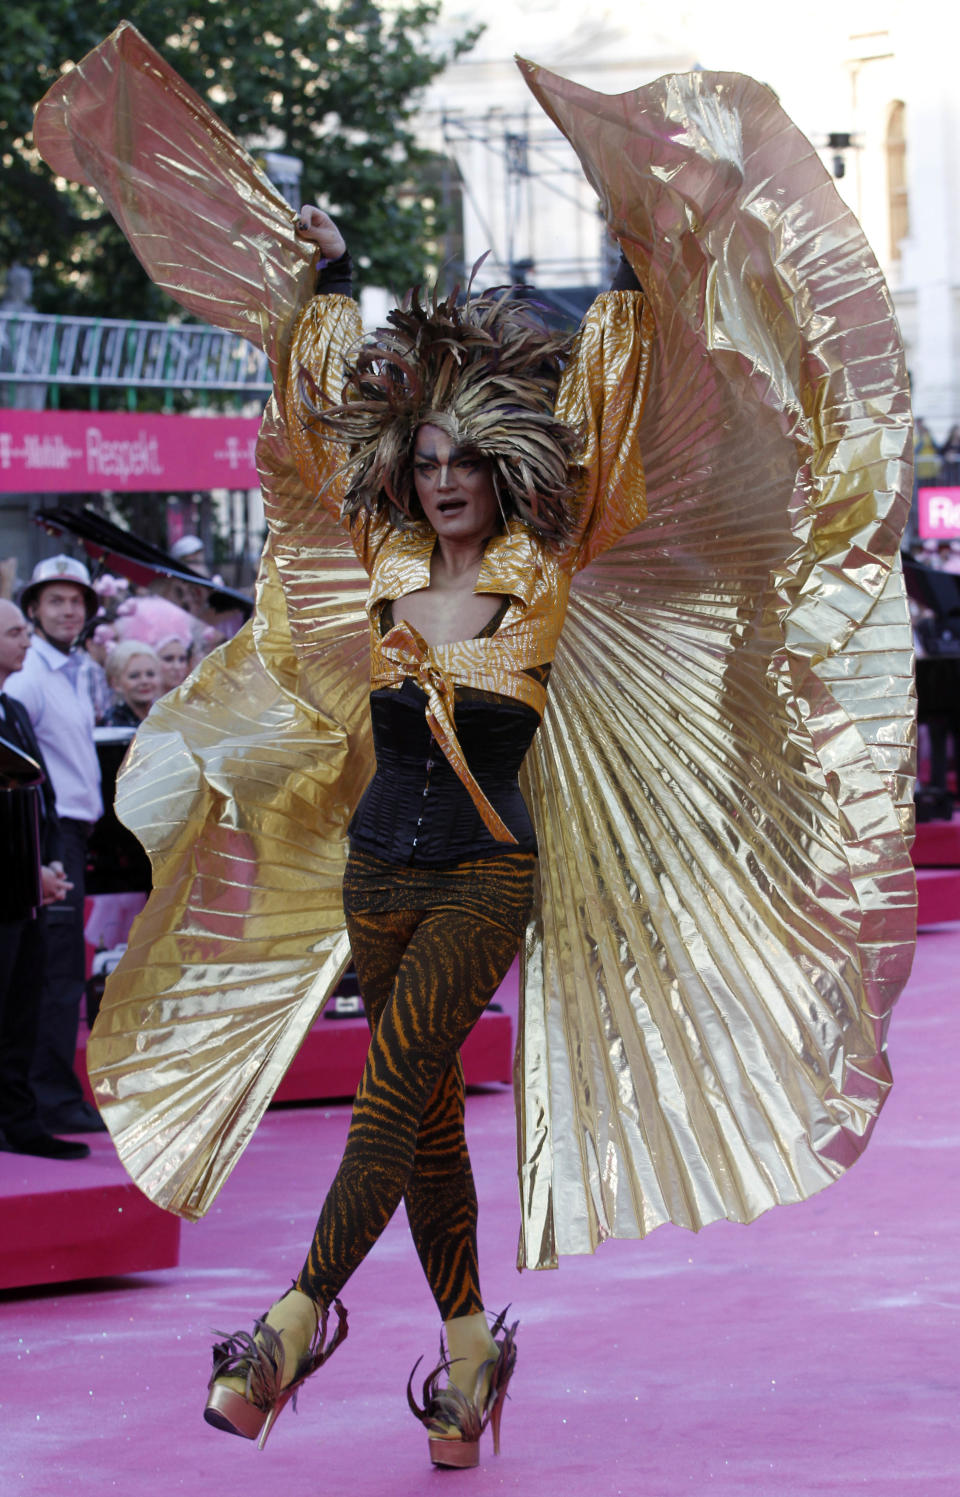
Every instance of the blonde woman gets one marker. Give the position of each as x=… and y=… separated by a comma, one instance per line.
x=134, y=673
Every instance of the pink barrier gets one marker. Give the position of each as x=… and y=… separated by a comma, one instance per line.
x=64, y=452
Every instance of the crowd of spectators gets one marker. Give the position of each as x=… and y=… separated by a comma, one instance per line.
x=939, y=556
x=75, y=657
x=135, y=650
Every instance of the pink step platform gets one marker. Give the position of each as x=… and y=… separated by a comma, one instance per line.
x=936, y=857
x=78, y=1220
x=938, y=895
x=937, y=844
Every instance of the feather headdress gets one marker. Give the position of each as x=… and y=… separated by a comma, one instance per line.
x=486, y=373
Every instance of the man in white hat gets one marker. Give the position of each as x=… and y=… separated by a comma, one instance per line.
x=58, y=600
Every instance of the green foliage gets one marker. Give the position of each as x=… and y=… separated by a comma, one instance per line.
x=334, y=82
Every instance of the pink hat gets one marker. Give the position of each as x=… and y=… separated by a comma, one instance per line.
x=153, y=621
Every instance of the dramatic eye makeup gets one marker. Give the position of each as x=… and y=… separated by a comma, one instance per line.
x=423, y=462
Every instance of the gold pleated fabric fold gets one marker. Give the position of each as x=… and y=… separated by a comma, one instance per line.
x=722, y=784
x=125, y=122
x=240, y=783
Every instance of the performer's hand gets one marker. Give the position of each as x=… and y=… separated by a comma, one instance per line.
x=319, y=227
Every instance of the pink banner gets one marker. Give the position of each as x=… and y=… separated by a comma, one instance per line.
x=69, y=452
x=939, y=513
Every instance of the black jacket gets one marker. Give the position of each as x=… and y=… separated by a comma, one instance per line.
x=16, y=728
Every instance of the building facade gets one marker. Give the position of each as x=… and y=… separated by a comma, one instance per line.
x=871, y=82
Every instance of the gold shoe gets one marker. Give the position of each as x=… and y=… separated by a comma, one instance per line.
x=450, y=1409
x=259, y=1361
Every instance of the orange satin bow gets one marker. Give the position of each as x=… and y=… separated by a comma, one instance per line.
x=408, y=652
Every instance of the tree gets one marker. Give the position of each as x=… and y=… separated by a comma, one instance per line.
x=334, y=82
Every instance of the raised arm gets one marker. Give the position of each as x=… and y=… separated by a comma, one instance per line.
x=324, y=333
x=602, y=394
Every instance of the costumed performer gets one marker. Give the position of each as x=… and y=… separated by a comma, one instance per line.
x=723, y=909
x=466, y=506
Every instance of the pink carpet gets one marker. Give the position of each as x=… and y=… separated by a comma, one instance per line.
x=814, y=1352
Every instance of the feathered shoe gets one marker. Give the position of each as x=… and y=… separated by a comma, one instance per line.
x=259, y=1360
x=450, y=1408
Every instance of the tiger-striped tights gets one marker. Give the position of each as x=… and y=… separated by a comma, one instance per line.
x=427, y=972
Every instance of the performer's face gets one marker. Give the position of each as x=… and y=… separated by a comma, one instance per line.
x=454, y=486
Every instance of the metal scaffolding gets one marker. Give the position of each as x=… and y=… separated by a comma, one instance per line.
x=533, y=162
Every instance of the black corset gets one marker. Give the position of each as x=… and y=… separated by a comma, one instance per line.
x=415, y=809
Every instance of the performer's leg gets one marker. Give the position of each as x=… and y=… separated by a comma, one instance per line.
x=295, y=1315
x=451, y=967
x=441, y=1201
x=440, y=1197
x=452, y=963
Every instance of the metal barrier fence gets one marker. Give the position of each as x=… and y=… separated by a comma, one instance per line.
x=39, y=349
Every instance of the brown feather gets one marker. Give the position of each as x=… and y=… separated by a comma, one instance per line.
x=487, y=373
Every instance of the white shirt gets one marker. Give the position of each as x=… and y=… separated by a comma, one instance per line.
x=49, y=687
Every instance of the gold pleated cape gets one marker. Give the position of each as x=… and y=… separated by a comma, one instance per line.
x=721, y=785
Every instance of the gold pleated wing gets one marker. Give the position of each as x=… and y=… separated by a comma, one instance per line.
x=240, y=783
x=722, y=783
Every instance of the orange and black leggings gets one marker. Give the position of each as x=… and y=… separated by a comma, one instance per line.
x=430, y=946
